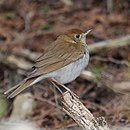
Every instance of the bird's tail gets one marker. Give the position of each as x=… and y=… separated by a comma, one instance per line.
x=20, y=87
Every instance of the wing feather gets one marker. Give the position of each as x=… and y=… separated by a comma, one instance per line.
x=57, y=56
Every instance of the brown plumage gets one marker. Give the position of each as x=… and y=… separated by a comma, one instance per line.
x=62, y=52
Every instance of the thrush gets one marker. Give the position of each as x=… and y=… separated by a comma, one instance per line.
x=63, y=60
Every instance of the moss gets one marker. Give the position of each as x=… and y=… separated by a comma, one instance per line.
x=3, y=107
x=9, y=14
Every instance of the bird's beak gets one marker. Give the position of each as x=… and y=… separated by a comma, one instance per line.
x=87, y=32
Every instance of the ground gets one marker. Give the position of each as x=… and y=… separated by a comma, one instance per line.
x=32, y=25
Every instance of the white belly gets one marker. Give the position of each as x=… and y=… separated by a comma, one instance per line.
x=71, y=71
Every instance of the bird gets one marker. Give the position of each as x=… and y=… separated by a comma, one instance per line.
x=63, y=61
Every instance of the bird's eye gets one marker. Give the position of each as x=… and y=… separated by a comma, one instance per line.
x=78, y=36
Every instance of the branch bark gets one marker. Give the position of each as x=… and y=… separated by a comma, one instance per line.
x=81, y=115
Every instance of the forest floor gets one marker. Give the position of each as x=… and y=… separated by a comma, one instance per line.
x=33, y=25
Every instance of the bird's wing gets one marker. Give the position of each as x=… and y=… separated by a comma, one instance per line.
x=56, y=57
x=20, y=87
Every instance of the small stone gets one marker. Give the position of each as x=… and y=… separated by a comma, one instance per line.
x=23, y=106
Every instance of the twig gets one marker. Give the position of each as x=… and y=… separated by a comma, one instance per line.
x=14, y=61
x=27, y=17
x=81, y=115
x=110, y=59
x=47, y=101
x=109, y=6
x=87, y=75
x=116, y=43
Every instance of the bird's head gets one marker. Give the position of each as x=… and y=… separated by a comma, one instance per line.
x=75, y=36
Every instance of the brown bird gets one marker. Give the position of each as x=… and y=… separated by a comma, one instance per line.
x=63, y=61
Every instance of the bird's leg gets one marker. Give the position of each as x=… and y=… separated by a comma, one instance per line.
x=55, y=81
x=56, y=99
x=67, y=89
x=56, y=86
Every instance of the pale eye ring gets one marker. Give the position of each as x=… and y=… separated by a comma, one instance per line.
x=78, y=36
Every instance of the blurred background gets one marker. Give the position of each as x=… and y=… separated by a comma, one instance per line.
x=28, y=26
